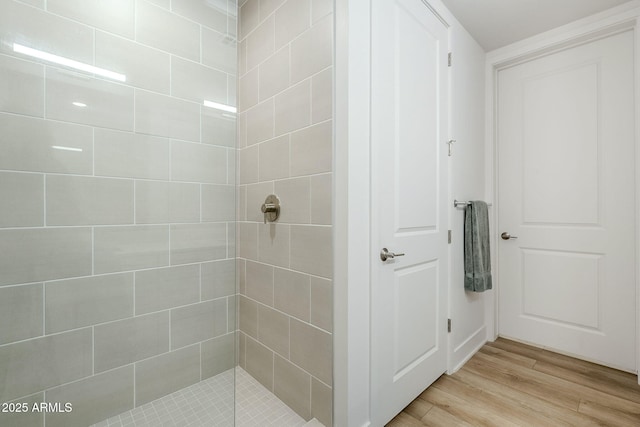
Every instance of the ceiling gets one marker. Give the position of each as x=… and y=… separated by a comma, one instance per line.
x=497, y=23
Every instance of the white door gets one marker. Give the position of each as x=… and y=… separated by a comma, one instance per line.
x=566, y=190
x=409, y=212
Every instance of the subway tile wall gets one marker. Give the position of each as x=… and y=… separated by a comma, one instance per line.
x=285, y=147
x=117, y=221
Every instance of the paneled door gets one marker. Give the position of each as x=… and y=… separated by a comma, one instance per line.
x=409, y=115
x=566, y=197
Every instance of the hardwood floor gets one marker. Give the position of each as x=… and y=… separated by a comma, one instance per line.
x=512, y=384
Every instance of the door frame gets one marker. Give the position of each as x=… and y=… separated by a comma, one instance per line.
x=615, y=20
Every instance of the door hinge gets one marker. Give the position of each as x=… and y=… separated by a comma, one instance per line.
x=449, y=236
x=448, y=325
x=449, y=59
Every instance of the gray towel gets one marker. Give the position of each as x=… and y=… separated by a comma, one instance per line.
x=477, y=258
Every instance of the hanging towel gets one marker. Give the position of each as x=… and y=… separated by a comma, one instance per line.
x=477, y=259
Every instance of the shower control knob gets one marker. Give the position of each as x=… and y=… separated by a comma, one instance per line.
x=271, y=208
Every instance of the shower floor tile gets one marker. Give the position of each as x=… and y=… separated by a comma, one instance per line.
x=210, y=404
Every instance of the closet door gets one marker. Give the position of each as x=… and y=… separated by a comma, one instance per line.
x=409, y=193
x=567, y=192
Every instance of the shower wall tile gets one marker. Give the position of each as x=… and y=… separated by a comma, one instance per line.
x=311, y=349
x=292, y=19
x=260, y=120
x=108, y=105
x=94, y=399
x=322, y=303
x=219, y=50
x=218, y=127
x=293, y=108
x=126, y=341
x=256, y=194
x=248, y=316
x=35, y=255
x=20, y=313
x=75, y=303
x=291, y=293
x=41, y=363
x=321, y=402
x=130, y=248
x=260, y=43
x=218, y=279
x=248, y=240
x=287, y=347
x=165, y=116
x=129, y=155
x=35, y=3
x=22, y=86
x=198, y=163
x=321, y=200
x=293, y=386
x=164, y=288
x=120, y=242
x=162, y=3
x=259, y=362
x=242, y=350
x=249, y=88
x=144, y=67
x=321, y=96
x=312, y=51
x=273, y=244
x=311, y=250
x=29, y=144
x=231, y=239
x=206, y=13
x=77, y=200
x=249, y=17
x=259, y=282
x=298, y=192
x=320, y=9
x=249, y=165
x=151, y=29
x=218, y=355
x=161, y=202
x=218, y=203
x=267, y=7
x=195, y=82
x=312, y=150
x=198, y=242
x=25, y=191
x=49, y=33
x=273, y=330
x=115, y=16
x=274, y=75
x=24, y=419
x=232, y=307
x=274, y=158
x=179, y=369
x=198, y=322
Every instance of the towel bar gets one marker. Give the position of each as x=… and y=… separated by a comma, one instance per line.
x=459, y=204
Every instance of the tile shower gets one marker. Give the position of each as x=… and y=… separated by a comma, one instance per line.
x=119, y=273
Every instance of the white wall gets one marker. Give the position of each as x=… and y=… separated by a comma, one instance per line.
x=466, y=309
x=351, y=215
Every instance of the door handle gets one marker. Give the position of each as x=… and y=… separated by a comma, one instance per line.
x=507, y=236
x=385, y=254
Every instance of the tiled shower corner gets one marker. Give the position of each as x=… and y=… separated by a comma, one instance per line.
x=211, y=403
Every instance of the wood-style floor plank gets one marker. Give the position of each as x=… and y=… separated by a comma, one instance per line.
x=510, y=383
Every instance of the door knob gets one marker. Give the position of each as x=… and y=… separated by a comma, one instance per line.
x=385, y=254
x=507, y=236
